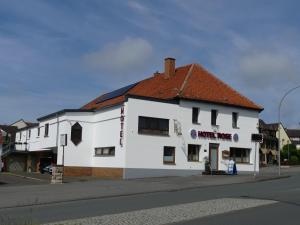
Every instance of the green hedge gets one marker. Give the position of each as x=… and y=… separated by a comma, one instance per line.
x=293, y=152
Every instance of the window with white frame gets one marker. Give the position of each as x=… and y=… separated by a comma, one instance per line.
x=105, y=151
x=235, y=117
x=214, y=116
x=195, y=115
x=193, y=153
x=46, y=129
x=240, y=155
x=169, y=155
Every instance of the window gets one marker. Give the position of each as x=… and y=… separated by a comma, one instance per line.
x=149, y=125
x=76, y=133
x=235, y=116
x=29, y=134
x=195, y=116
x=20, y=137
x=46, y=129
x=193, y=153
x=214, y=115
x=38, y=131
x=106, y=151
x=240, y=155
x=169, y=155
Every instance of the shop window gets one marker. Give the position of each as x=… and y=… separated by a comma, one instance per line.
x=149, y=125
x=169, y=155
x=240, y=155
x=195, y=115
x=76, y=133
x=106, y=151
x=214, y=115
x=235, y=116
x=193, y=153
x=46, y=129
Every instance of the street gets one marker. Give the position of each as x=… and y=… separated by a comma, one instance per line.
x=280, y=204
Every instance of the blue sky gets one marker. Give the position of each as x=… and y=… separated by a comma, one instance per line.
x=59, y=54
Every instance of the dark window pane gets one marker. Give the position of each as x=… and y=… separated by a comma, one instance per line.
x=195, y=115
x=76, y=133
x=46, y=129
x=106, y=151
x=169, y=155
x=149, y=125
x=193, y=152
x=240, y=155
x=234, y=119
x=214, y=114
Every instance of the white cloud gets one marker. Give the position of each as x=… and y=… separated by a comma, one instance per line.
x=137, y=6
x=127, y=55
x=263, y=68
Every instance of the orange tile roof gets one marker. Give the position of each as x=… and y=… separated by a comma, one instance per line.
x=189, y=82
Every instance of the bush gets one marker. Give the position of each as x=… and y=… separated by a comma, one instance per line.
x=294, y=160
x=293, y=152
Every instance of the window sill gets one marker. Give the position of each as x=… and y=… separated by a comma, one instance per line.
x=167, y=163
x=153, y=134
x=196, y=123
x=215, y=126
x=104, y=155
x=46, y=136
x=196, y=161
x=235, y=127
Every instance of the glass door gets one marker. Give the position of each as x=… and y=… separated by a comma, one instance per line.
x=213, y=156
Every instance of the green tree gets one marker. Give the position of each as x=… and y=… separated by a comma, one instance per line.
x=290, y=151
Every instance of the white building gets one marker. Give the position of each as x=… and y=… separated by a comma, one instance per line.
x=165, y=125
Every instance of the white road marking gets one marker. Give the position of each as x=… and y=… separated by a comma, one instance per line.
x=170, y=214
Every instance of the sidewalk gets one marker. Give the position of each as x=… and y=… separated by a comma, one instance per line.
x=16, y=196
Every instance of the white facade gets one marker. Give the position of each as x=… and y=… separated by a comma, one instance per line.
x=141, y=155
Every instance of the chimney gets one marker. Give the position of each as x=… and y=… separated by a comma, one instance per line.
x=169, y=67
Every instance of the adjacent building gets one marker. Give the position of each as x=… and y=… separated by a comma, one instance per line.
x=168, y=124
x=7, y=139
x=269, y=148
x=294, y=135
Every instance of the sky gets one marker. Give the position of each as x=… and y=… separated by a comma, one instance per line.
x=60, y=54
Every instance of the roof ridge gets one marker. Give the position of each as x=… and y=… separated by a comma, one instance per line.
x=188, y=75
x=227, y=85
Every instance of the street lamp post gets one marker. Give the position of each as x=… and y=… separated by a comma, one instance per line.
x=279, y=122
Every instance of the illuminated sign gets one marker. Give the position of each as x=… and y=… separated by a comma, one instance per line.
x=211, y=135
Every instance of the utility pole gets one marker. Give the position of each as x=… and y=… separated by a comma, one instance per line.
x=279, y=123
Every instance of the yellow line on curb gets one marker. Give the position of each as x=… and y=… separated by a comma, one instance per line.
x=17, y=175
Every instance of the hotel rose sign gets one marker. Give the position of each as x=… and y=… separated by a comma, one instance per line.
x=211, y=135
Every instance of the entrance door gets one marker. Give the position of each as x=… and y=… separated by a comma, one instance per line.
x=213, y=156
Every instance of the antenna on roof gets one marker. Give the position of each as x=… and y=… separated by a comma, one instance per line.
x=156, y=73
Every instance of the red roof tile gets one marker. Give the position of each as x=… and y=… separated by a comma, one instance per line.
x=189, y=82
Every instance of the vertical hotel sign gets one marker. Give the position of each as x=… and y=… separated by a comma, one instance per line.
x=122, y=126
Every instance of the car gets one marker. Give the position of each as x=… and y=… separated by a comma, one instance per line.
x=47, y=169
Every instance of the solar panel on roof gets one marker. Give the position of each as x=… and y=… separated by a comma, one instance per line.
x=116, y=93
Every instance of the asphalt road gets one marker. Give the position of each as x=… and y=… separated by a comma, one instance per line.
x=285, y=191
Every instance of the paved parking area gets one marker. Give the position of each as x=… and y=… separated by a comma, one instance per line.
x=9, y=179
